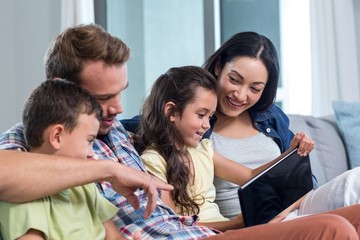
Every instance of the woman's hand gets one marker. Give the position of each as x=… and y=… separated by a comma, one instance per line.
x=303, y=142
x=281, y=216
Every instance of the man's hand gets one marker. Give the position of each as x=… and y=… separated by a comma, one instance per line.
x=126, y=181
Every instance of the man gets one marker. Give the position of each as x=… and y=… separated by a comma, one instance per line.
x=92, y=58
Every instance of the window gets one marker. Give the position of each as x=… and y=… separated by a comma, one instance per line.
x=163, y=34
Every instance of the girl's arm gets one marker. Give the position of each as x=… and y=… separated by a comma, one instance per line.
x=230, y=170
x=165, y=195
x=240, y=174
x=167, y=199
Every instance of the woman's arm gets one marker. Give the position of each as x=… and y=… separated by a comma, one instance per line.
x=234, y=223
x=29, y=176
x=281, y=216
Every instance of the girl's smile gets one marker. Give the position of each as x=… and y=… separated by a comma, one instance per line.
x=194, y=121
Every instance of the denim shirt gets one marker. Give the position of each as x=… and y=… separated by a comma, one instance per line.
x=273, y=123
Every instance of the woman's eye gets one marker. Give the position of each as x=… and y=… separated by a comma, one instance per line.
x=256, y=90
x=234, y=80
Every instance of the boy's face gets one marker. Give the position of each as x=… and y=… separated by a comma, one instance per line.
x=79, y=142
x=195, y=120
x=105, y=83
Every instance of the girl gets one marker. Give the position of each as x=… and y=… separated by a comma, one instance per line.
x=174, y=119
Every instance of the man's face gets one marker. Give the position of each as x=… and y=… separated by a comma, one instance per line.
x=105, y=83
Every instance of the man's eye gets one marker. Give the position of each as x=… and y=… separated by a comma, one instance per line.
x=105, y=98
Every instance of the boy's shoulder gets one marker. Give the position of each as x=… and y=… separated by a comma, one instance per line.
x=13, y=138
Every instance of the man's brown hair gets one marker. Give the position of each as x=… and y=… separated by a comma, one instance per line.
x=67, y=54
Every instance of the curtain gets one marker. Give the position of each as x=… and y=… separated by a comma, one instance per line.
x=335, y=63
x=75, y=12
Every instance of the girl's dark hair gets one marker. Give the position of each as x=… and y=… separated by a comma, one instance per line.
x=56, y=102
x=177, y=85
x=253, y=45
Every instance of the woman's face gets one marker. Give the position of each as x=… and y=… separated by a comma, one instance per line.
x=240, y=85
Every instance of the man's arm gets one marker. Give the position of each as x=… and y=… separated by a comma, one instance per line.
x=29, y=176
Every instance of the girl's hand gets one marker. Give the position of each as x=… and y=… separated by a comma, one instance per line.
x=303, y=142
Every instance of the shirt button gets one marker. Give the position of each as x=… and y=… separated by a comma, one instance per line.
x=268, y=130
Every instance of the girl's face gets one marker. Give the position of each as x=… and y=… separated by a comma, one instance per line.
x=194, y=121
x=240, y=85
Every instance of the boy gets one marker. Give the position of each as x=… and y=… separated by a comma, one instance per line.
x=61, y=119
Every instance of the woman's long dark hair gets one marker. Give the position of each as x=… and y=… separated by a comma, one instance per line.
x=177, y=85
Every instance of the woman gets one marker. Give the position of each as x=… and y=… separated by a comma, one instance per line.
x=252, y=130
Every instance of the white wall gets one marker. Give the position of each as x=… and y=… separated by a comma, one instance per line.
x=27, y=28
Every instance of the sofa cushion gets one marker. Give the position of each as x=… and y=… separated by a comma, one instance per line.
x=348, y=120
x=328, y=159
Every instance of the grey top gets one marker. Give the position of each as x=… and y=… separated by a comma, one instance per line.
x=252, y=152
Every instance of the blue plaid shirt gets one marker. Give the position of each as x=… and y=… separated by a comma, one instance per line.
x=116, y=146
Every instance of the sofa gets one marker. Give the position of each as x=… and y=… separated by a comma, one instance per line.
x=329, y=158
